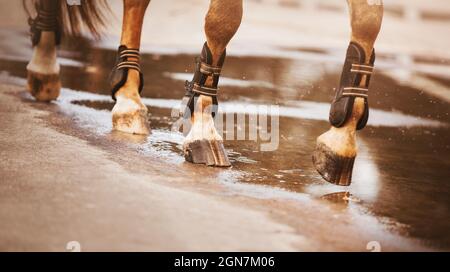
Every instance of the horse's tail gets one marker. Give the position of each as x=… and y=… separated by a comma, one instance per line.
x=90, y=14
x=75, y=17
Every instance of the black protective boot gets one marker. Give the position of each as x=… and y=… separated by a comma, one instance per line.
x=349, y=88
x=336, y=165
x=46, y=20
x=119, y=74
x=196, y=87
x=44, y=86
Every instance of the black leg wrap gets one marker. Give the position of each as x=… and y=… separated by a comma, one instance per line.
x=46, y=20
x=355, y=69
x=126, y=59
x=203, y=69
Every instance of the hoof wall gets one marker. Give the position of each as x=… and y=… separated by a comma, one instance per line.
x=210, y=153
x=133, y=123
x=43, y=87
x=332, y=167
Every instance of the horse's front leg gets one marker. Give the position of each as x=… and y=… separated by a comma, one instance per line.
x=203, y=144
x=336, y=149
x=129, y=113
x=43, y=69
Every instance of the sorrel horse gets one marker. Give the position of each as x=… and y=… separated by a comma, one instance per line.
x=336, y=149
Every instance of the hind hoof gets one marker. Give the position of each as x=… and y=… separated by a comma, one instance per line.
x=44, y=88
x=333, y=167
x=208, y=152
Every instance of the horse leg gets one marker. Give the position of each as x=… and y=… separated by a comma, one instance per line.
x=129, y=113
x=203, y=144
x=336, y=149
x=43, y=69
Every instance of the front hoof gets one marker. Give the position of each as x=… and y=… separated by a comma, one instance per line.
x=44, y=88
x=208, y=152
x=134, y=123
x=333, y=167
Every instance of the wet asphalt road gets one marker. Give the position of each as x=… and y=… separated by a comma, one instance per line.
x=402, y=171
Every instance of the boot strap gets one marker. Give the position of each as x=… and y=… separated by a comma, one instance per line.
x=353, y=91
x=203, y=90
x=45, y=21
x=126, y=63
x=210, y=70
x=362, y=69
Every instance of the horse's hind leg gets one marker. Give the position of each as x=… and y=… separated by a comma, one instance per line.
x=43, y=69
x=203, y=144
x=336, y=149
x=129, y=113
